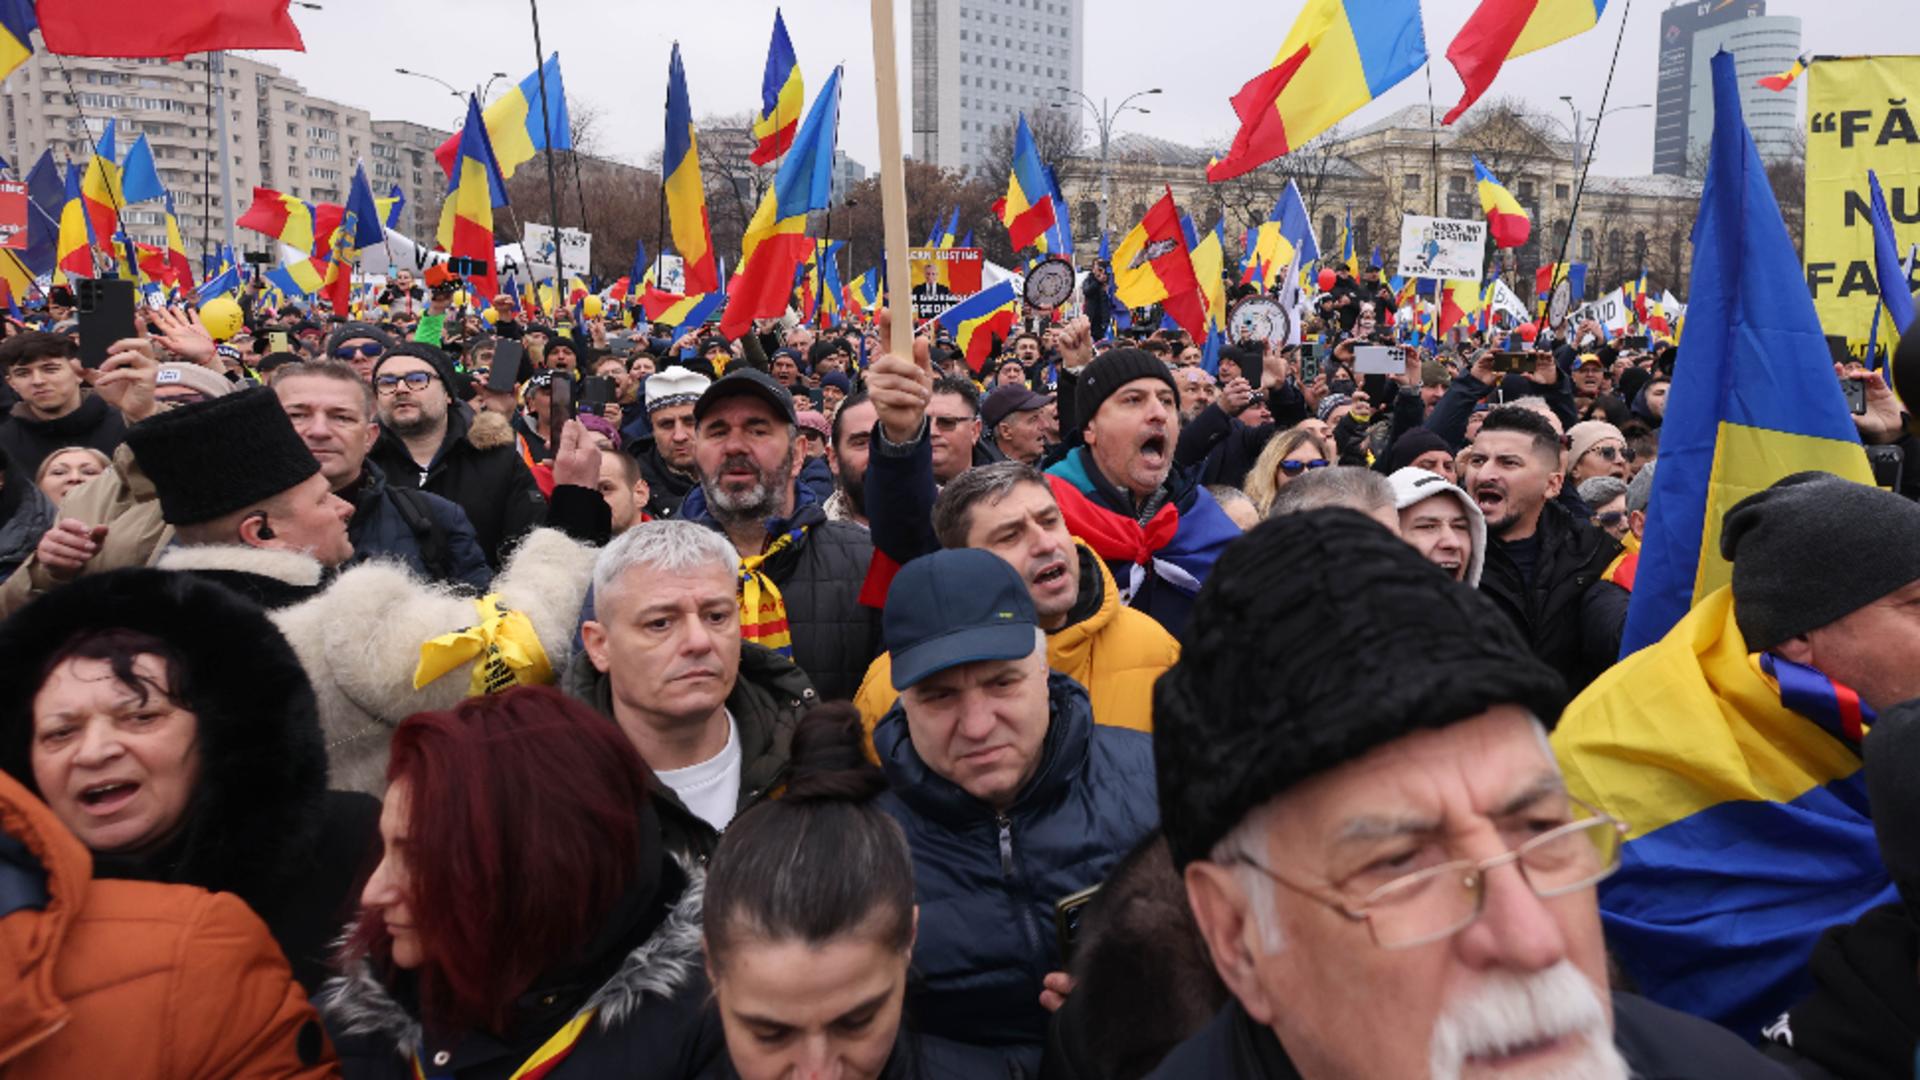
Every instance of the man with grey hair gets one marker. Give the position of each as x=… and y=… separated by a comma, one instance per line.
x=1395, y=883
x=712, y=715
x=1355, y=488
x=800, y=575
x=1011, y=798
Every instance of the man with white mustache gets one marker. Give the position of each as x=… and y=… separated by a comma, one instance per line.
x=1393, y=884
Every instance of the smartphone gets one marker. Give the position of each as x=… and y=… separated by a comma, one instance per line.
x=561, y=410
x=279, y=341
x=1636, y=342
x=105, y=313
x=1066, y=920
x=1309, y=362
x=1379, y=360
x=596, y=393
x=504, y=373
x=1856, y=391
x=1513, y=362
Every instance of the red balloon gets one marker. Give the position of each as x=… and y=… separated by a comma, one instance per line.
x=1529, y=331
x=1327, y=280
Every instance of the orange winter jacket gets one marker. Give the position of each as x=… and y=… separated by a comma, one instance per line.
x=134, y=980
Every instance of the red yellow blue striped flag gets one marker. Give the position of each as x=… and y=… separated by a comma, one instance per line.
x=782, y=97
x=977, y=320
x=686, y=194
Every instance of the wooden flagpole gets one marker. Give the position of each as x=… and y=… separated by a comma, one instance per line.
x=893, y=179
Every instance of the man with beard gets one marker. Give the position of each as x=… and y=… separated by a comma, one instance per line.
x=1110, y=649
x=1397, y=882
x=1543, y=567
x=847, y=452
x=428, y=442
x=800, y=574
x=666, y=457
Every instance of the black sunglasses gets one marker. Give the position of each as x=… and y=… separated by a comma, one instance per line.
x=1609, y=519
x=370, y=349
x=1614, y=453
x=1295, y=468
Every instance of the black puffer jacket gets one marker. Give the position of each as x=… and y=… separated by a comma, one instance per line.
x=769, y=696
x=260, y=823
x=1658, y=1043
x=641, y=976
x=835, y=636
x=478, y=470
x=29, y=441
x=1571, y=618
x=987, y=882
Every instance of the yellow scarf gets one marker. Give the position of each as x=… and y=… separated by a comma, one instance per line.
x=503, y=646
x=763, y=612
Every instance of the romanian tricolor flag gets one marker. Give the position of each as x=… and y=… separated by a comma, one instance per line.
x=686, y=194
x=523, y=122
x=782, y=96
x=171, y=267
x=100, y=191
x=18, y=21
x=1754, y=398
x=867, y=293
x=1780, y=82
x=1458, y=299
x=1507, y=221
x=1027, y=208
x=466, y=217
x=1209, y=263
x=283, y=217
x=1500, y=30
x=776, y=241
x=1153, y=266
x=302, y=276
x=832, y=295
x=1748, y=827
x=976, y=321
x=359, y=228
x=76, y=233
x=1339, y=55
x=1286, y=234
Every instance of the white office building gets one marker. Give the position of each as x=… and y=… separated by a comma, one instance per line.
x=978, y=64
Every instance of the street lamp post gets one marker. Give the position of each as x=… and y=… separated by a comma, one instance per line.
x=450, y=88
x=1104, y=117
x=1579, y=141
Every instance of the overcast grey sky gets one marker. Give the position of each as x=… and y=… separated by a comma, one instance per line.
x=614, y=54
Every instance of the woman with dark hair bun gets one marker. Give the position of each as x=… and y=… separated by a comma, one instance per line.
x=810, y=924
x=525, y=918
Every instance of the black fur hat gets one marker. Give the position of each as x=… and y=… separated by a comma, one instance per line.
x=211, y=458
x=256, y=808
x=1317, y=637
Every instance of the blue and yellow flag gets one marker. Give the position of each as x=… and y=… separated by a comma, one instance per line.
x=1754, y=397
x=1749, y=832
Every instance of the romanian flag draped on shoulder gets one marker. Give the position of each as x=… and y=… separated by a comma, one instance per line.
x=1340, y=55
x=1507, y=222
x=782, y=97
x=1027, y=209
x=977, y=320
x=523, y=122
x=1152, y=265
x=1499, y=30
x=476, y=187
x=1749, y=832
x=686, y=194
x=776, y=241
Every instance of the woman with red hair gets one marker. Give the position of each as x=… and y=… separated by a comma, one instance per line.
x=525, y=919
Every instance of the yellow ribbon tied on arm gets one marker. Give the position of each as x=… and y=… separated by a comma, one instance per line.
x=503, y=647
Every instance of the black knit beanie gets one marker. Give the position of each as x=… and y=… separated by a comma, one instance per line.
x=1115, y=369
x=1814, y=548
x=1411, y=445
x=441, y=363
x=210, y=458
x=1318, y=637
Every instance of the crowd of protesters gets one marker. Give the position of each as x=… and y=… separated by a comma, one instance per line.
x=474, y=693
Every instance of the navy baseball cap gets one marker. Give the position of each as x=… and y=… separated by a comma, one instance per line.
x=747, y=382
x=956, y=606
